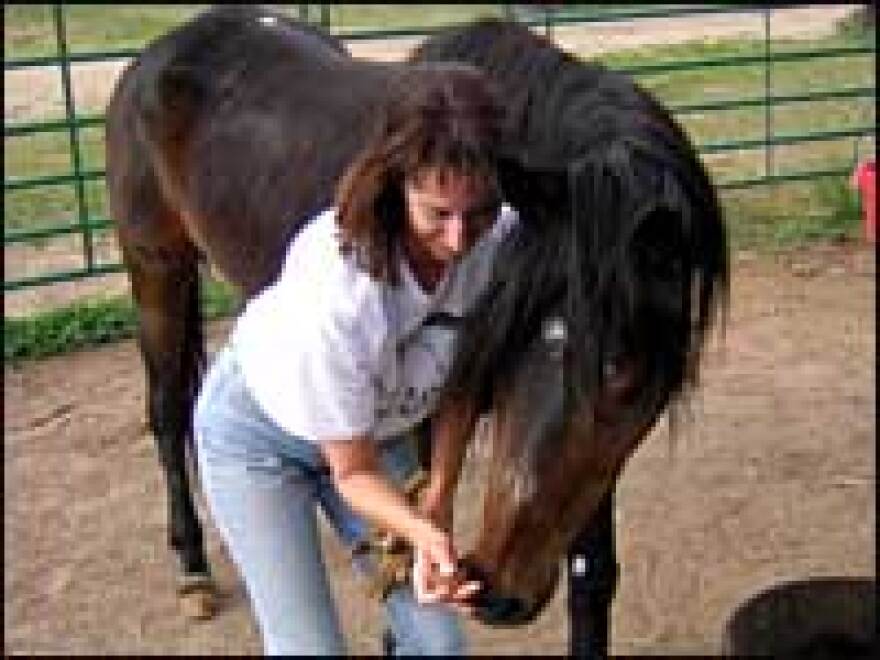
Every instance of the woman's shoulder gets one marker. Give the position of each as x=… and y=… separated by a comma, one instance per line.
x=316, y=273
x=313, y=238
x=314, y=252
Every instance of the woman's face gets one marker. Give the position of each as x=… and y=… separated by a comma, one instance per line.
x=447, y=212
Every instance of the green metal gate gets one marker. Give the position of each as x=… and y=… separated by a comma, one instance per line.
x=89, y=223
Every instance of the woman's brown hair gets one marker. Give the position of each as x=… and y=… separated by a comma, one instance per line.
x=446, y=116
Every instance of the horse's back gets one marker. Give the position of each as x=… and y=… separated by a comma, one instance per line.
x=240, y=122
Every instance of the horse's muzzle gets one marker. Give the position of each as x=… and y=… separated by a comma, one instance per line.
x=495, y=609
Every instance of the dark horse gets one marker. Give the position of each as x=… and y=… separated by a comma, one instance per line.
x=229, y=132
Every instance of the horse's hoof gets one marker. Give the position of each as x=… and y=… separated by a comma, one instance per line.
x=198, y=597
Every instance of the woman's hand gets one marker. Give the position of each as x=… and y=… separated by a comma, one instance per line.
x=436, y=577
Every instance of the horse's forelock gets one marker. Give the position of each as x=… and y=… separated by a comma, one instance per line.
x=583, y=257
x=646, y=260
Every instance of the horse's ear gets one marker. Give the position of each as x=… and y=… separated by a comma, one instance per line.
x=527, y=186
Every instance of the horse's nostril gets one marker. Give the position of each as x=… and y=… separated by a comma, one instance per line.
x=473, y=572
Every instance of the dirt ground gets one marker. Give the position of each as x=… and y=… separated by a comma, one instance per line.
x=772, y=481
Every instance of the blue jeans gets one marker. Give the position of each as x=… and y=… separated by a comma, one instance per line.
x=263, y=487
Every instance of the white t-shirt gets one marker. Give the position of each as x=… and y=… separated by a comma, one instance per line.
x=327, y=351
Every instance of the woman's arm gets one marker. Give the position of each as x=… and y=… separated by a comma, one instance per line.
x=452, y=428
x=355, y=468
x=356, y=473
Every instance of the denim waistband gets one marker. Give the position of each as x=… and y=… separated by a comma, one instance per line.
x=227, y=399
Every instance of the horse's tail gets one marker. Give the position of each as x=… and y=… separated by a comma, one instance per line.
x=193, y=360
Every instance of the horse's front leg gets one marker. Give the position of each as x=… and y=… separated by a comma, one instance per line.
x=592, y=581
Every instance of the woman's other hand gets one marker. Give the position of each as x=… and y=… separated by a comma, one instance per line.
x=436, y=576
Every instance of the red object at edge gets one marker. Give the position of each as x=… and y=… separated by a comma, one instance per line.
x=865, y=180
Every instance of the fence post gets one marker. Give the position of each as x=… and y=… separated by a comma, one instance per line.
x=768, y=97
x=73, y=131
x=303, y=12
x=325, y=15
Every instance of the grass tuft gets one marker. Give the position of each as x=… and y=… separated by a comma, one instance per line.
x=92, y=322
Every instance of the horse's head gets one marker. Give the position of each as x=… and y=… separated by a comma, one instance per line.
x=599, y=307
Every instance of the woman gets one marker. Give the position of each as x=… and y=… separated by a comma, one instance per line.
x=343, y=355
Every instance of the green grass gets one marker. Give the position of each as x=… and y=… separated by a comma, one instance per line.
x=767, y=219
x=351, y=17
x=92, y=322
x=861, y=24
x=83, y=323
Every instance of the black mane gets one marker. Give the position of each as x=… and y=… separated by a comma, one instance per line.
x=621, y=230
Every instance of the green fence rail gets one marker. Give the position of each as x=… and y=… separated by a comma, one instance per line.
x=541, y=16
